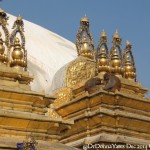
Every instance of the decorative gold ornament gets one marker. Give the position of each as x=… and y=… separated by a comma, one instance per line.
x=52, y=113
x=62, y=95
x=17, y=55
x=19, y=28
x=79, y=71
x=84, y=38
x=103, y=54
x=116, y=55
x=5, y=43
x=129, y=64
x=116, y=39
x=85, y=50
x=3, y=57
x=116, y=63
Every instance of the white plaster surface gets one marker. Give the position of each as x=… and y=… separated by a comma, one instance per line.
x=47, y=53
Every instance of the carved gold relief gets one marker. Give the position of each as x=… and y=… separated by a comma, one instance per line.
x=79, y=71
x=62, y=95
x=52, y=113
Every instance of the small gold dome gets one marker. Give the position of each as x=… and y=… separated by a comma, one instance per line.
x=17, y=53
x=115, y=61
x=103, y=61
x=129, y=71
x=85, y=46
x=84, y=19
x=103, y=34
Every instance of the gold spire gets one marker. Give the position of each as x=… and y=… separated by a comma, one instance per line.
x=85, y=19
x=129, y=70
x=116, y=39
x=85, y=49
x=127, y=43
x=19, y=17
x=17, y=55
x=103, y=34
x=3, y=57
x=116, y=63
x=102, y=54
x=116, y=34
x=84, y=40
x=129, y=64
x=103, y=61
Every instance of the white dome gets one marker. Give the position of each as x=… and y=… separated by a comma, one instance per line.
x=47, y=53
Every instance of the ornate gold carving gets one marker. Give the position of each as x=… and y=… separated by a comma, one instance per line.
x=62, y=95
x=128, y=62
x=3, y=56
x=103, y=54
x=3, y=24
x=84, y=33
x=17, y=55
x=79, y=71
x=19, y=28
x=116, y=55
x=52, y=113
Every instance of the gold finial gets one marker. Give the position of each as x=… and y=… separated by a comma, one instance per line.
x=17, y=55
x=116, y=35
x=85, y=19
x=19, y=18
x=116, y=39
x=85, y=46
x=103, y=34
x=103, y=61
x=127, y=43
x=129, y=70
x=1, y=10
x=116, y=63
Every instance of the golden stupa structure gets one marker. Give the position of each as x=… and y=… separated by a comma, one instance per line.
x=83, y=106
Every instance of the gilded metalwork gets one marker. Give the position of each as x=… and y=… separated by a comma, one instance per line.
x=116, y=55
x=3, y=56
x=3, y=23
x=5, y=43
x=19, y=28
x=17, y=55
x=82, y=34
x=103, y=54
x=129, y=63
x=79, y=71
x=62, y=95
x=116, y=40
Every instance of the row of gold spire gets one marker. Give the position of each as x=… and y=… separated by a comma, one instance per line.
x=12, y=53
x=114, y=61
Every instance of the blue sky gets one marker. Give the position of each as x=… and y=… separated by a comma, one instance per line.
x=130, y=17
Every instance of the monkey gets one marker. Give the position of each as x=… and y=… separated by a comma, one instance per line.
x=112, y=82
x=91, y=83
